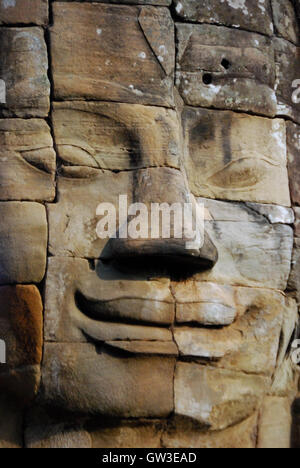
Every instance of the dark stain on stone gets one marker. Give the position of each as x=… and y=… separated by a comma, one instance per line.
x=226, y=143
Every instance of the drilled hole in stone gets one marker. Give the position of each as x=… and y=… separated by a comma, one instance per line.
x=225, y=64
x=207, y=78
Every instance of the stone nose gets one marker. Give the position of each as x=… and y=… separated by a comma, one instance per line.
x=159, y=193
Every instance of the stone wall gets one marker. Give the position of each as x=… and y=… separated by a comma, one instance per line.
x=206, y=93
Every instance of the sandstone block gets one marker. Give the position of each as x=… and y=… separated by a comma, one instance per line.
x=112, y=52
x=21, y=328
x=27, y=160
x=260, y=254
x=236, y=156
x=249, y=15
x=287, y=64
x=285, y=20
x=24, y=66
x=293, y=148
x=79, y=378
x=275, y=424
x=23, y=242
x=226, y=69
x=22, y=12
x=216, y=398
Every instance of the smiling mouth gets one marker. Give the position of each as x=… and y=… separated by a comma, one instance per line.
x=135, y=325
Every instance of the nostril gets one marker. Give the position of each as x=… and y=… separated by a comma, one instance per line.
x=170, y=257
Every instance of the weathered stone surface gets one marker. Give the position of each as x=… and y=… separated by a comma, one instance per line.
x=130, y=2
x=245, y=14
x=91, y=61
x=103, y=383
x=167, y=348
x=236, y=156
x=116, y=136
x=21, y=328
x=226, y=69
x=27, y=160
x=285, y=20
x=11, y=423
x=128, y=434
x=73, y=226
x=275, y=424
x=287, y=64
x=216, y=398
x=274, y=213
x=254, y=342
x=23, y=242
x=21, y=324
x=22, y=12
x=204, y=303
x=23, y=67
x=43, y=429
x=103, y=298
x=184, y=434
x=252, y=252
x=58, y=437
x=294, y=278
x=297, y=221
x=293, y=151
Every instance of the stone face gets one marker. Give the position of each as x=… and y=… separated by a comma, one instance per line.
x=253, y=342
x=24, y=65
x=116, y=136
x=275, y=424
x=23, y=242
x=226, y=69
x=184, y=434
x=106, y=383
x=236, y=156
x=285, y=20
x=216, y=398
x=293, y=149
x=287, y=87
x=27, y=160
x=81, y=303
x=249, y=15
x=251, y=251
x=91, y=61
x=20, y=12
x=74, y=228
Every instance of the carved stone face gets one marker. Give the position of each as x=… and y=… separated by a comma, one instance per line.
x=143, y=329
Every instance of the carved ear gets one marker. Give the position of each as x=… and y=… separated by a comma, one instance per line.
x=158, y=28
